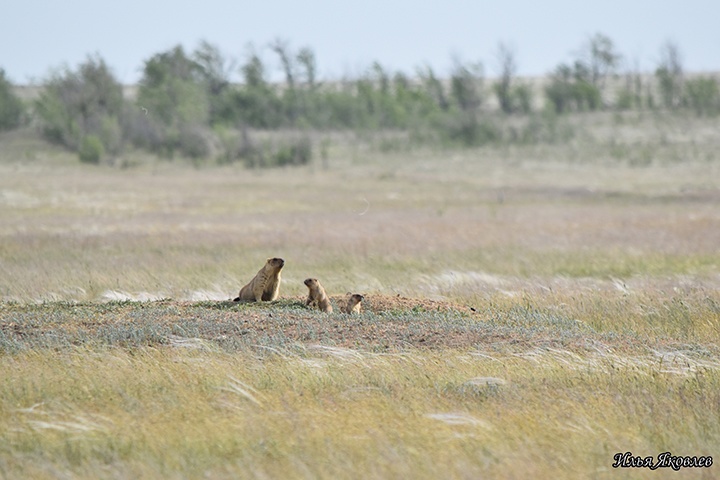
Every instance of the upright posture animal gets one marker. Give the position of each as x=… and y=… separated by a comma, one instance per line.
x=266, y=284
x=353, y=304
x=317, y=296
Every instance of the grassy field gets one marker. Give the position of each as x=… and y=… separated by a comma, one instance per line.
x=531, y=310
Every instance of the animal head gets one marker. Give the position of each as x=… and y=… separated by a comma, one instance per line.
x=310, y=281
x=276, y=263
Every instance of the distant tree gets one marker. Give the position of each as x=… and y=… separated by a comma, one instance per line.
x=81, y=103
x=306, y=58
x=669, y=74
x=298, y=100
x=366, y=113
x=381, y=78
x=433, y=87
x=11, y=107
x=282, y=49
x=600, y=58
x=340, y=107
x=253, y=71
x=412, y=103
x=580, y=85
x=213, y=67
x=631, y=94
x=466, y=85
x=386, y=109
x=309, y=101
x=560, y=89
x=256, y=103
x=172, y=89
x=462, y=124
x=215, y=70
x=376, y=101
x=512, y=97
x=287, y=61
x=173, y=92
x=508, y=67
x=404, y=98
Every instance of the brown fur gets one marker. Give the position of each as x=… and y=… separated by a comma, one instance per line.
x=317, y=296
x=353, y=304
x=265, y=286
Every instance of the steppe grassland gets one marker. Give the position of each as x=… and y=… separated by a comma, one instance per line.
x=324, y=412
x=573, y=210
x=593, y=265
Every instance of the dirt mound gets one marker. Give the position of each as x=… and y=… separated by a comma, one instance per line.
x=377, y=303
x=386, y=322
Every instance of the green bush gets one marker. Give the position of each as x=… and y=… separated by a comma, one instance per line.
x=513, y=98
x=521, y=98
x=579, y=86
x=110, y=134
x=91, y=150
x=230, y=143
x=77, y=104
x=545, y=127
x=193, y=141
x=294, y=152
x=570, y=89
x=57, y=122
x=298, y=152
x=467, y=130
x=625, y=99
x=702, y=95
x=11, y=107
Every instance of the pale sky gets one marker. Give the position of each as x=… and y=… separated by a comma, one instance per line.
x=347, y=36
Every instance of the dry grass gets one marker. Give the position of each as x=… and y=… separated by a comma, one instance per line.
x=558, y=304
x=329, y=412
x=74, y=233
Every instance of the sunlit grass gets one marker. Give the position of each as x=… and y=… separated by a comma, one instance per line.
x=322, y=412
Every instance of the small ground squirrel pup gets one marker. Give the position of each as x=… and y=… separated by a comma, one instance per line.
x=353, y=304
x=317, y=296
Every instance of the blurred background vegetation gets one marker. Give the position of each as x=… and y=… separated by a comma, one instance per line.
x=186, y=104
